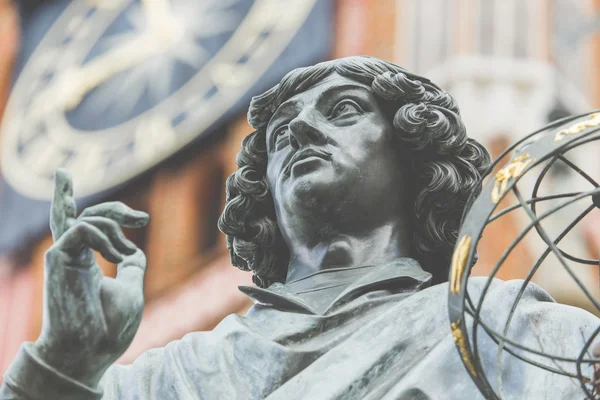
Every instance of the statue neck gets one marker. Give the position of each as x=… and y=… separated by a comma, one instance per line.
x=334, y=249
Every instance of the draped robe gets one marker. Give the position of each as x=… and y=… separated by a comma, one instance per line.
x=386, y=336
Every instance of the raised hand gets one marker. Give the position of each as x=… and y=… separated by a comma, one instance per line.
x=89, y=320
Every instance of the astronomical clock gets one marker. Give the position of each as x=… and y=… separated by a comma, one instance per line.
x=110, y=88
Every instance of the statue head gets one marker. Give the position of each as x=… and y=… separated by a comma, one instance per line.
x=354, y=132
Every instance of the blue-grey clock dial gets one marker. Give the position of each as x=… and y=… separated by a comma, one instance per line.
x=116, y=86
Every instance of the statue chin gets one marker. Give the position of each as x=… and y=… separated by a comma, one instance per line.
x=314, y=189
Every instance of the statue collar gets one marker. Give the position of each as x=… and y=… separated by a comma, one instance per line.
x=400, y=275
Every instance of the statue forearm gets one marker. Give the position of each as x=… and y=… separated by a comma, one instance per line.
x=29, y=377
x=88, y=320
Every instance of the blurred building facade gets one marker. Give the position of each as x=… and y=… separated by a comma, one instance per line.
x=498, y=58
x=514, y=66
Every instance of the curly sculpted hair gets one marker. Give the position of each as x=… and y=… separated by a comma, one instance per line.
x=447, y=166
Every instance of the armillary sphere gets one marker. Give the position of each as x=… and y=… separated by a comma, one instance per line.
x=526, y=163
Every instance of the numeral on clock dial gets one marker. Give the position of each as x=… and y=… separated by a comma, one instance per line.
x=42, y=156
x=88, y=164
x=153, y=138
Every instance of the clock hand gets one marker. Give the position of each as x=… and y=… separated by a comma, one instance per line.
x=72, y=86
x=160, y=20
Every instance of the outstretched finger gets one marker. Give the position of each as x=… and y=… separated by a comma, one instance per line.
x=83, y=235
x=119, y=212
x=63, y=208
x=132, y=269
x=114, y=233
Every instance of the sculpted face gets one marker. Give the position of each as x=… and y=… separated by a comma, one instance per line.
x=331, y=148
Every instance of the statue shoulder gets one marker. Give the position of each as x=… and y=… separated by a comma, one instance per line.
x=535, y=307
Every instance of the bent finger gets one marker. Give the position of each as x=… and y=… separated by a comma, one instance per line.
x=63, y=208
x=83, y=235
x=132, y=269
x=119, y=212
x=112, y=230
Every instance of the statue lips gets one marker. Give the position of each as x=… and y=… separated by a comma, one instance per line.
x=306, y=154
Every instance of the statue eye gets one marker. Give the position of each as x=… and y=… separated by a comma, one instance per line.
x=280, y=132
x=280, y=135
x=345, y=107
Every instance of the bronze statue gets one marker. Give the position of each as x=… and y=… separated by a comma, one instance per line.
x=346, y=207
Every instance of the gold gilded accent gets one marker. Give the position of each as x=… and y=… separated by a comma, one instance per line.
x=511, y=170
x=579, y=127
x=459, y=339
x=459, y=260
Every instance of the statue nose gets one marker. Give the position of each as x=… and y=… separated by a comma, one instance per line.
x=304, y=132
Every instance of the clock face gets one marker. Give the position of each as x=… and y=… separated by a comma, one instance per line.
x=116, y=86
